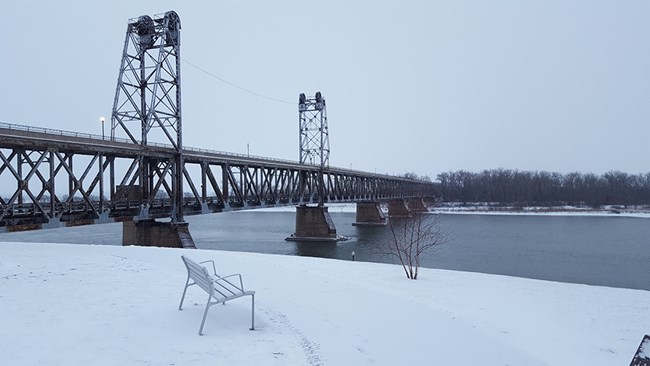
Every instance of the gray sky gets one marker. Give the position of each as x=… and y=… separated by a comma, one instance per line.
x=423, y=86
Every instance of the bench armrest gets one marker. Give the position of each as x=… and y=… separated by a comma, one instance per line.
x=214, y=268
x=241, y=283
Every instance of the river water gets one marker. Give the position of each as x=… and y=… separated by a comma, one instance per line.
x=607, y=251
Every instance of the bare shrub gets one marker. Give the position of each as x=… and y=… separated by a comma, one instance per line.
x=411, y=236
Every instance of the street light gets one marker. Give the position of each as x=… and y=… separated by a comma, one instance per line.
x=102, y=119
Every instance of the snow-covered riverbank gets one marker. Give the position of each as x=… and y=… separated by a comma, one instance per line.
x=110, y=305
x=539, y=211
x=487, y=209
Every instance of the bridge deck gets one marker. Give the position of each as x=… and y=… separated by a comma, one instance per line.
x=77, y=178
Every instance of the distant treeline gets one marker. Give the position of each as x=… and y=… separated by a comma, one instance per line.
x=545, y=188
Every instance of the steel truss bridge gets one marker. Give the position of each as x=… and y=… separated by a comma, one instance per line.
x=65, y=178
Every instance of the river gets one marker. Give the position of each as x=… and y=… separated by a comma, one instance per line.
x=594, y=250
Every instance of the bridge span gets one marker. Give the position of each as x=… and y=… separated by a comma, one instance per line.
x=64, y=178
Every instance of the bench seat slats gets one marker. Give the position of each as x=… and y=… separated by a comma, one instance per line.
x=200, y=276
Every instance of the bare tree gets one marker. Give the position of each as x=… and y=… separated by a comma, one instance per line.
x=412, y=236
x=541, y=188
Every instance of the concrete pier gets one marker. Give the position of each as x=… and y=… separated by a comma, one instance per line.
x=369, y=214
x=397, y=208
x=416, y=205
x=149, y=232
x=313, y=223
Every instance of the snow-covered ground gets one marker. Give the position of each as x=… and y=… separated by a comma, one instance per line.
x=486, y=208
x=109, y=305
x=542, y=213
x=478, y=209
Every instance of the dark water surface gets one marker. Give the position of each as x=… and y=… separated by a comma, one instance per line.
x=607, y=251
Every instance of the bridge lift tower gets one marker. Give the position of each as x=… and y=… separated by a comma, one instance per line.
x=314, y=136
x=313, y=223
x=147, y=106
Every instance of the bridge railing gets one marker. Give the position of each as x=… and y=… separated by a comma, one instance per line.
x=52, y=131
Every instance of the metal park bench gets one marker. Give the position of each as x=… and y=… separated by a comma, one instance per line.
x=220, y=289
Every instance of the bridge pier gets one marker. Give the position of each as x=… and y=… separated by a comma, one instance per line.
x=53, y=223
x=398, y=208
x=205, y=209
x=313, y=223
x=369, y=214
x=417, y=205
x=149, y=232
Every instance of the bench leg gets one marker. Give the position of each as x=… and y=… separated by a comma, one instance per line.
x=180, y=306
x=253, y=312
x=205, y=314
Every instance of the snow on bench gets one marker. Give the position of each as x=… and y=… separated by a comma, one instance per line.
x=219, y=288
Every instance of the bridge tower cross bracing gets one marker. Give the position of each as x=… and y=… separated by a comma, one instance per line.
x=314, y=136
x=147, y=105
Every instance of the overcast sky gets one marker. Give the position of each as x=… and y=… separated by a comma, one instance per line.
x=421, y=86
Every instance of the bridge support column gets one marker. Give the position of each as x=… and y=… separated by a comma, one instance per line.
x=397, y=208
x=149, y=232
x=52, y=224
x=369, y=214
x=417, y=205
x=313, y=223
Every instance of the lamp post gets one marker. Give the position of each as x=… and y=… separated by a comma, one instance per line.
x=102, y=119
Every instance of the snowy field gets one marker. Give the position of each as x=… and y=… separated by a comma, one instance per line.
x=599, y=213
x=486, y=210
x=110, y=305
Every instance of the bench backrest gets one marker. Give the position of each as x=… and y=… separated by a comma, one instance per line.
x=199, y=274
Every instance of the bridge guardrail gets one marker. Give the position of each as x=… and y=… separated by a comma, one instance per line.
x=51, y=131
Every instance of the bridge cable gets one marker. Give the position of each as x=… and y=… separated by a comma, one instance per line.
x=237, y=86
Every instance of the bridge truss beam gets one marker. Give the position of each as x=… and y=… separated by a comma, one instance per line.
x=65, y=178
